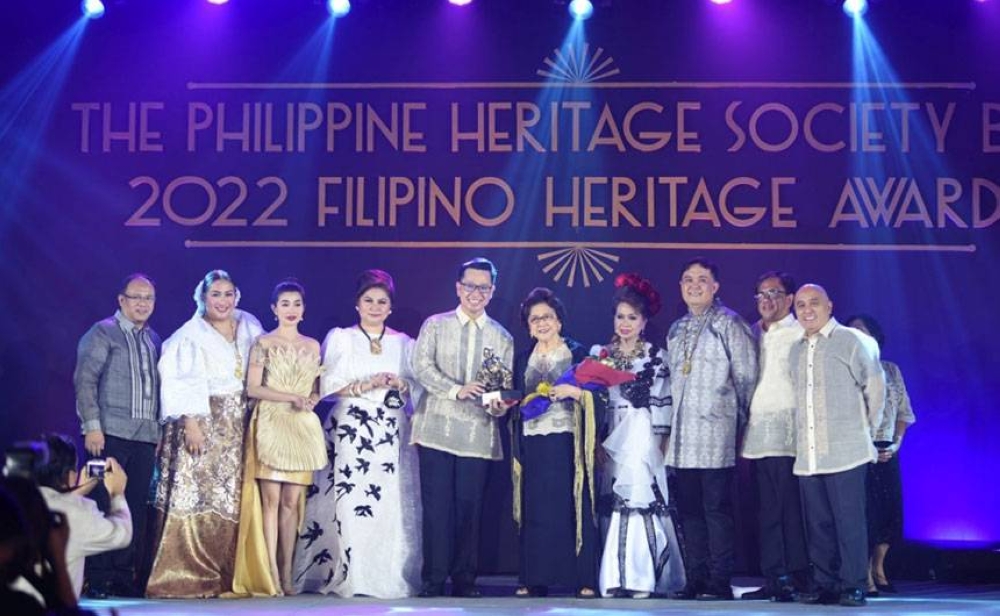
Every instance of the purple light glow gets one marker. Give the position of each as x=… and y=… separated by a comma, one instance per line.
x=92, y=9
x=218, y=1
x=460, y=2
x=721, y=1
x=855, y=8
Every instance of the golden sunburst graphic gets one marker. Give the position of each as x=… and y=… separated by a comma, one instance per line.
x=568, y=263
x=579, y=67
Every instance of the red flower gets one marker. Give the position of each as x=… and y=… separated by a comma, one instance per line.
x=603, y=354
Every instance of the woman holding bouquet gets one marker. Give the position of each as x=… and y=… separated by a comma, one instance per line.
x=641, y=553
x=553, y=459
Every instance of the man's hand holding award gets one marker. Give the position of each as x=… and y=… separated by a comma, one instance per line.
x=498, y=384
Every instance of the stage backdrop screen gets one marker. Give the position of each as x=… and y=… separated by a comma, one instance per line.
x=272, y=140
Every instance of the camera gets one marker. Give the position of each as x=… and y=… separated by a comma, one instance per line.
x=96, y=468
x=25, y=458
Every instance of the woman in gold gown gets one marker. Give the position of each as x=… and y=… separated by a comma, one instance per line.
x=202, y=369
x=284, y=446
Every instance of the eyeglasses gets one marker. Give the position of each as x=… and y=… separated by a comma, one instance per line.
x=472, y=288
x=137, y=299
x=545, y=318
x=771, y=294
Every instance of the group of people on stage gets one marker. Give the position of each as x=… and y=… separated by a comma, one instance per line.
x=383, y=495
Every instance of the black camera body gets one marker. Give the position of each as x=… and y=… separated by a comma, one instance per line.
x=25, y=458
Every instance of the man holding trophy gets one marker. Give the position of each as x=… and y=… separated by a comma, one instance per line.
x=462, y=359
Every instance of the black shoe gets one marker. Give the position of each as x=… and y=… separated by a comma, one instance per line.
x=430, y=589
x=822, y=597
x=886, y=588
x=784, y=590
x=526, y=592
x=854, y=597
x=761, y=594
x=716, y=592
x=467, y=591
x=785, y=594
x=689, y=592
x=99, y=590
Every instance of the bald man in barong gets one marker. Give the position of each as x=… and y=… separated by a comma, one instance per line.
x=840, y=393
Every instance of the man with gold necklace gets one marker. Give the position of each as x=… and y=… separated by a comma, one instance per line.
x=713, y=369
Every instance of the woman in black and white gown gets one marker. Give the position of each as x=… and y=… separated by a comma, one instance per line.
x=641, y=553
x=361, y=533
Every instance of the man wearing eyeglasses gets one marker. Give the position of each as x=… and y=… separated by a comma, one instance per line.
x=117, y=400
x=456, y=434
x=770, y=443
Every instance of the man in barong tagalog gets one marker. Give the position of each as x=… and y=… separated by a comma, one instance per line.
x=770, y=443
x=713, y=367
x=457, y=435
x=840, y=395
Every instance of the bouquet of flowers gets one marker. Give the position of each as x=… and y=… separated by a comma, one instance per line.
x=591, y=374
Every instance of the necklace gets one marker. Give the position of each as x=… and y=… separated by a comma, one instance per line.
x=624, y=361
x=691, y=344
x=374, y=344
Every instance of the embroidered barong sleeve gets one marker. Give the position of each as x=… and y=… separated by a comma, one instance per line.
x=336, y=348
x=183, y=379
x=897, y=404
x=867, y=371
x=406, y=372
x=91, y=355
x=425, y=366
x=743, y=362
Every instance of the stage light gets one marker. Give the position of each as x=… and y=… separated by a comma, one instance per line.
x=460, y=2
x=339, y=8
x=218, y=1
x=721, y=1
x=92, y=9
x=581, y=9
x=855, y=8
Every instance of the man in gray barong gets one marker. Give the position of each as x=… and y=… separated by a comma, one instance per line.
x=456, y=434
x=839, y=393
x=712, y=357
x=118, y=402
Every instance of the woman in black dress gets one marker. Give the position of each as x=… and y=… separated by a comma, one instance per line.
x=554, y=459
x=885, y=485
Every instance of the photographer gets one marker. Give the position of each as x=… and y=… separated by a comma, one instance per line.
x=64, y=489
x=34, y=574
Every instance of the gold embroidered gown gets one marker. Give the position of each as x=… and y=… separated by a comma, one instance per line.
x=283, y=444
x=198, y=496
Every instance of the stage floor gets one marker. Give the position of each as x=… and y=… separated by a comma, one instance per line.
x=914, y=599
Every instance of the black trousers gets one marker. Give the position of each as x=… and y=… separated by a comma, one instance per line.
x=783, y=548
x=836, y=528
x=123, y=568
x=451, y=489
x=705, y=507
